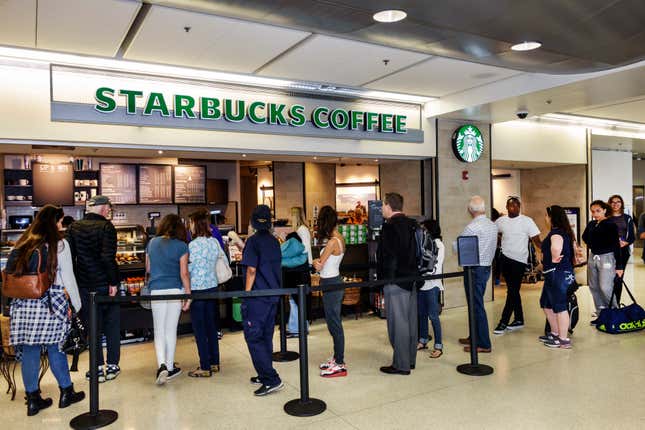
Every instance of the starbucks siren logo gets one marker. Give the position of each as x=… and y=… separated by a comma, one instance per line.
x=467, y=143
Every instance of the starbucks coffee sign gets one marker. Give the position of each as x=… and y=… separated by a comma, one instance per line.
x=120, y=98
x=467, y=143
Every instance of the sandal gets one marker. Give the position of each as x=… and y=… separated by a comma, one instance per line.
x=421, y=346
x=199, y=373
x=436, y=353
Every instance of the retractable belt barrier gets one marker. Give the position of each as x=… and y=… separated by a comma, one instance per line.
x=303, y=406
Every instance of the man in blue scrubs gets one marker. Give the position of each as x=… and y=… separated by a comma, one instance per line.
x=262, y=260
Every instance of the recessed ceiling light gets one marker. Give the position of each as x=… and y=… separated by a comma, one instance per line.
x=243, y=155
x=526, y=46
x=376, y=161
x=315, y=158
x=392, y=15
x=160, y=152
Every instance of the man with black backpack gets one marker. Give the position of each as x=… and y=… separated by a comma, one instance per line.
x=397, y=258
x=93, y=244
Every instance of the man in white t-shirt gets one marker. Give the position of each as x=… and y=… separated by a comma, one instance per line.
x=515, y=230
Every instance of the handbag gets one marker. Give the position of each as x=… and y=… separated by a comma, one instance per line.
x=621, y=319
x=76, y=337
x=34, y=283
x=223, y=270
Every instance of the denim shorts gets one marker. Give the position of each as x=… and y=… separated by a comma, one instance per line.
x=554, y=291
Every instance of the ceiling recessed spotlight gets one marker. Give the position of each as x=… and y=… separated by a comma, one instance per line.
x=243, y=155
x=160, y=152
x=389, y=15
x=526, y=46
x=376, y=161
x=315, y=158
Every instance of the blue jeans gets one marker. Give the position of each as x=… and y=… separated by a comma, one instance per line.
x=428, y=305
x=204, y=317
x=292, y=325
x=31, y=366
x=480, y=279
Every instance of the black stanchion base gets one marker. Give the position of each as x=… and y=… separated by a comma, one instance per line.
x=310, y=408
x=87, y=421
x=280, y=356
x=474, y=369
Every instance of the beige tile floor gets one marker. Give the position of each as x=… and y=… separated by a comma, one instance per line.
x=598, y=384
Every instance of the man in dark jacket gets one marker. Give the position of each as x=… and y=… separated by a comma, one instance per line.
x=397, y=258
x=93, y=244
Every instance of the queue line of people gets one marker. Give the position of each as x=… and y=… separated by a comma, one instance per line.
x=178, y=267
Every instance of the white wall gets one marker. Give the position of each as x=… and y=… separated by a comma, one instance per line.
x=535, y=142
x=611, y=173
x=25, y=110
x=505, y=187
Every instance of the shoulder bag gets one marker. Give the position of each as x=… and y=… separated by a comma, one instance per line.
x=223, y=270
x=34, y=283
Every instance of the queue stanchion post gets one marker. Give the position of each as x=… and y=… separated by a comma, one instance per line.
x=473, y=368
x=95, y=418
x=284, y=355
x=305, y=406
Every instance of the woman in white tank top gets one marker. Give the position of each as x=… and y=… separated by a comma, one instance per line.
x=329, y=267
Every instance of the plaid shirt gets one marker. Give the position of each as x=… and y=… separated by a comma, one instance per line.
x=41, y=321
x=486, y=232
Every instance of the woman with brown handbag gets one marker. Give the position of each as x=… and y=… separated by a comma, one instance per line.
x=43, y=323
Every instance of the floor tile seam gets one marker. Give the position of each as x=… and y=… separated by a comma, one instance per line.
x=418, y=395
x=424, y=393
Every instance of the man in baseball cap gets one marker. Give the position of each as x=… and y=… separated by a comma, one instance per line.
x=93, y=244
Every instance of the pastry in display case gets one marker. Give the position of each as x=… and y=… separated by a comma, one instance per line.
x=130, y=254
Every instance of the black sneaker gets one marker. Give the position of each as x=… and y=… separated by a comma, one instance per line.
x=112, y=371
x=162, y=375
x=268, y=389
x=515, y=325
x=255, y=380
x=547, y=338
x=500, y=329
x=101, y=375
x=176, y=371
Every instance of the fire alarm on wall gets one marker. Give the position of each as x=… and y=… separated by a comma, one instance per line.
x=464, y=175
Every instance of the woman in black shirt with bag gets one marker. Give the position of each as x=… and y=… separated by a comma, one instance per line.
x=626, y=236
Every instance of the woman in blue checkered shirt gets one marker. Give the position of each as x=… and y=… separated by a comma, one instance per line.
x=43, y=324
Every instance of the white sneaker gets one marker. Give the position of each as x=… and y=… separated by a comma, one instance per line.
x=327, y=364
x=334, y=371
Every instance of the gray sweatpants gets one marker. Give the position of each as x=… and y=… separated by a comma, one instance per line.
x=601, y=270
x=402, y=325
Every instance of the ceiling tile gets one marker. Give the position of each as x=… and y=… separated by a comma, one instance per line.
x=629, y=111
x=95, y=27
x=340, y=61
x=441, y=76
x=18, y=23
x=213, y=42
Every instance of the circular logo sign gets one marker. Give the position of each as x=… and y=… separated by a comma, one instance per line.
x=468, y=143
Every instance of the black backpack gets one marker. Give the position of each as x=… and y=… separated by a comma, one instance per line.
x=427, y=251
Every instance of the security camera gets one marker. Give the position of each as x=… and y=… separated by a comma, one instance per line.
x=522, y=113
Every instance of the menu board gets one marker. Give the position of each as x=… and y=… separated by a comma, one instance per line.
x=53, y=183
x=119, y=183
x=190, y=184
x=155, y=184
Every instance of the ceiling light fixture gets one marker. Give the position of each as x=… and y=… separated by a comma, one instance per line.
x=376, y=161
x=160, y=152
x=315, y=158
x=526, y=46
x=178, y=72
x=392, y=15
x=598, y=126
x=244, y=155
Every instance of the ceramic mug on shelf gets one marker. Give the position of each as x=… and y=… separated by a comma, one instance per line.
x=11, y=198
x=20, y=197
x=77, y=196
x=23, y=182
x=29, y=198
x=77, y=182
x=83, y=196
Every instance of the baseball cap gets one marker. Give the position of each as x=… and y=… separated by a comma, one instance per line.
x=99, y=201
x=261, y=218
